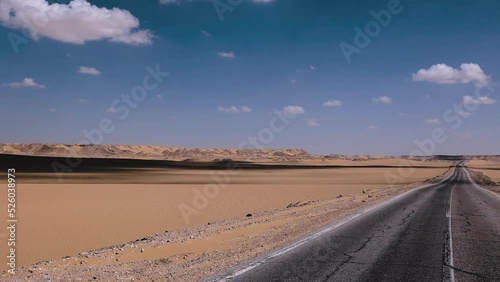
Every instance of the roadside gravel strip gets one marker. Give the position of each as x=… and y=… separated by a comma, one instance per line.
x=199, y=253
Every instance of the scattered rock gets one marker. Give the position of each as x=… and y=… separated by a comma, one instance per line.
x=142, y=250
x=249, y=215
x=340, y=196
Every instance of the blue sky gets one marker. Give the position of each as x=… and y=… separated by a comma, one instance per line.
x=64, y=63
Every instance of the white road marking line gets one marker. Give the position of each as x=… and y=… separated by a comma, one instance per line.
x=450, y=241
x=253, y=265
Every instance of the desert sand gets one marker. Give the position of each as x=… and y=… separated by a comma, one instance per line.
x=57, y=220
x=489, y=168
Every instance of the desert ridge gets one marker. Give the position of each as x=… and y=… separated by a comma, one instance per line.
x=194, y=154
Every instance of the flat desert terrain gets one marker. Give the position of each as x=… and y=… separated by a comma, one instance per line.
x=489, y=168
x=93, y=210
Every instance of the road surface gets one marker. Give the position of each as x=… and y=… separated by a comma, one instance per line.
x=445, y=232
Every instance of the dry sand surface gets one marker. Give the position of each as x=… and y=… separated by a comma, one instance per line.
x=57, y=220
x=489, y=168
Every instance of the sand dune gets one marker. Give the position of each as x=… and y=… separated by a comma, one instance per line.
x=152, y=152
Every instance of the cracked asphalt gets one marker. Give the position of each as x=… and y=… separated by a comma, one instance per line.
x=407, y=239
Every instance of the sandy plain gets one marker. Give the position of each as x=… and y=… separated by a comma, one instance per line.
x=89, y=211
x=489, y=168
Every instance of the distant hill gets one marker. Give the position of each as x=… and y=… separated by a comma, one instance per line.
x=200, y=154
x=153, y=152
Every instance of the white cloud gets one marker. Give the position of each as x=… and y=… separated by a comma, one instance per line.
x=313, y=68
x=227, y=55
x=293, y=81
x=205, y=33
x=110, y=110
x=332, y=103
x=76, y=22
x=27, y=82
x=373, y=127
x=313, y=123
x=382, y=99
x=53, y=110
x=159, y=96
x=234, y=109
x=433, y=121
x=246, y=109
x=89, y=70
x=83, y=100
x=469, y=100
x=293, y=110
x=444, y=74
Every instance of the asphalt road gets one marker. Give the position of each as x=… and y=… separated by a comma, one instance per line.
x=445, y=232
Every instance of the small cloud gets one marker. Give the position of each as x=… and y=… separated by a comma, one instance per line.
x=332, y=103
x=234, y=109
x=205, y=33
x=82, y=100
x=373, y=127
x=246, y=109
x=444, y=74
x=27, y=82
x=53, y=110
x=299, y=70
x=159, y=96
x=433, y=121
x=294, y=110
x=404, y=114
x=382, y=99
x=293, y=81
x=227, y=55
x=313, y=68
x=89, y=70
x=110, y=110
x=313, y=123
x=469, y=100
